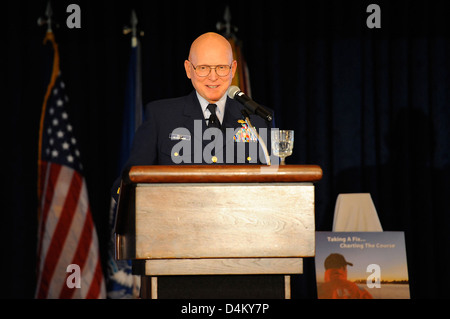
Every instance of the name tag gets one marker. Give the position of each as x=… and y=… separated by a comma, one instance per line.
x=179, y=137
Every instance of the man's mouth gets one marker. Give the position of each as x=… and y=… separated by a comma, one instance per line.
x=212, y=86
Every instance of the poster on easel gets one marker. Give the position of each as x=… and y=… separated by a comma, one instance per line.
x=361, y=265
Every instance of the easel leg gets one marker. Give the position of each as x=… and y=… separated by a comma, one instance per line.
x=287, y=287
x=149, y=287
x=154, y=285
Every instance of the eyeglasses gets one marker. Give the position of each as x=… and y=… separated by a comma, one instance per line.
x=205, y=70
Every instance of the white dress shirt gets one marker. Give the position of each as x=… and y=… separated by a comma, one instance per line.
x=220, y=111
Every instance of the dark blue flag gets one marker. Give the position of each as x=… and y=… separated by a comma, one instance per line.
x=121, y=284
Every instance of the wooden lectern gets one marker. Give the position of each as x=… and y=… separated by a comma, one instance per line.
x=216, y=220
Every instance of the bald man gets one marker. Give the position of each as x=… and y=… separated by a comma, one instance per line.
x=184, y=130
x=187, y=130
x=211, y=49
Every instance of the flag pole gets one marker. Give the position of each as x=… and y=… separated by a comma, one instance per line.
x=49, y=36
x=48, y=18
x=135, y=45
x=241, y=78
x=226, y=25
x=133, y=29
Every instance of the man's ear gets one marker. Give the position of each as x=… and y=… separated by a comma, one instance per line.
x=233, y=68
x=187, y=67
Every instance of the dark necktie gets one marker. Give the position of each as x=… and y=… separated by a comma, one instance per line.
x=213, y=121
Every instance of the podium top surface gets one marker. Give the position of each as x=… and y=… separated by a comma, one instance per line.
x=224, y=174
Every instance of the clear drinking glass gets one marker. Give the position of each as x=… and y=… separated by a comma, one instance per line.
x=282, y=143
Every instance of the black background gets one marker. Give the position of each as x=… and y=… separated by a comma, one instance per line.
x=370, y=106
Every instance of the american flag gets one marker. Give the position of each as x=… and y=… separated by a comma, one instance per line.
x=68, y=252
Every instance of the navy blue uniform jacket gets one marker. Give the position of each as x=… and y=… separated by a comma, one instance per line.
x=175, y=133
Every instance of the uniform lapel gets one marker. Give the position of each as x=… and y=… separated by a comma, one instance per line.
x=194, y=120
x=232, y=114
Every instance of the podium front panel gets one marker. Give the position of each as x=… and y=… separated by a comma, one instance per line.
x=224, y=220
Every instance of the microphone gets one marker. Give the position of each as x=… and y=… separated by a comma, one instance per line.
x=254, y=108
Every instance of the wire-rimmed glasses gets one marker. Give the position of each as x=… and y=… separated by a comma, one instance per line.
x=205, y=70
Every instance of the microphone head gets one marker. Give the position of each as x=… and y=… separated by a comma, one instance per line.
x=232, y=91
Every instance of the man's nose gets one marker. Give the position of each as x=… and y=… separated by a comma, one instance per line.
x=213, y=75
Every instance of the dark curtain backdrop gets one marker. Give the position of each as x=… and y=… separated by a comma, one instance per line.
x=371, y=107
